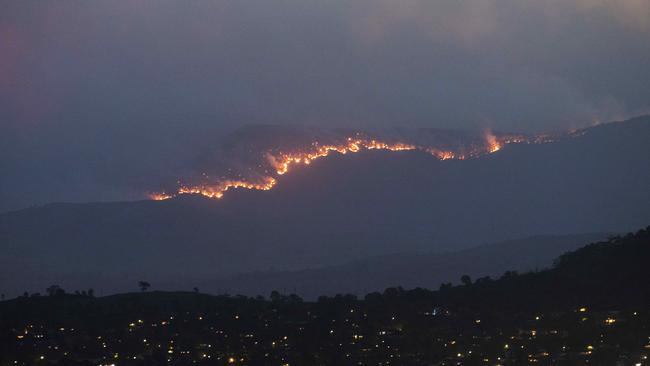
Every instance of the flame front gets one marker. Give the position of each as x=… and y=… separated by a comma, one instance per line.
x=493, y=144
x=218, y=190
x=283, y=162
x=160, y=196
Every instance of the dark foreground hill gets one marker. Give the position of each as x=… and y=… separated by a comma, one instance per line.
x=341, y=209
x=409, y=270
x=590, y=308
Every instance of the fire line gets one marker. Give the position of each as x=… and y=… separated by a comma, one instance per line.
x=283, y=162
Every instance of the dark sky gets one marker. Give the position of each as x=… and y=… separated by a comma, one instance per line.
x=98, y=98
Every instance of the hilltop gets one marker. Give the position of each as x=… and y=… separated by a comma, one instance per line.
x=591, y=307
x=339, y=210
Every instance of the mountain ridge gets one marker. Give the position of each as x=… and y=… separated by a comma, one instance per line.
x=348, y=207
x=409, y=270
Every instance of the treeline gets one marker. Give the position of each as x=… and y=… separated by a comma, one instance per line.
x=609, y=275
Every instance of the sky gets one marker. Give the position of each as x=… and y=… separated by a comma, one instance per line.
x=99, y=98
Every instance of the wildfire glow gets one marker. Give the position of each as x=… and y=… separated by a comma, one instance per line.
x=218, y=190
x=442, y=154
x=159, y=196
x=493, y=144
x=283, y=162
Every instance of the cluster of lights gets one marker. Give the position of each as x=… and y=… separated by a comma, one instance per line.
x=509, y=345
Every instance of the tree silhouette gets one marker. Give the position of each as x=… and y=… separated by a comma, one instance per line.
x=275, y=296
x=54, y=290
x=466, y=280
x=512, y=274
x=295, y=299
x=393, y=291
x=144, y=285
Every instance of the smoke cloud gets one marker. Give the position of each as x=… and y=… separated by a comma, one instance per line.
x=101, y=100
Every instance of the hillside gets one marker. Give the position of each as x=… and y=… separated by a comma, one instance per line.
x=408, y=270
x=608, y=274
x=341, y=209
x=590, y=308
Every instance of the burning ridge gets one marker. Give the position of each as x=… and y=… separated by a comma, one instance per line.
x=276, y=163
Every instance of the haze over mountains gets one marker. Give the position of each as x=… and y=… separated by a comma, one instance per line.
x=408, y=270
x=341, y=209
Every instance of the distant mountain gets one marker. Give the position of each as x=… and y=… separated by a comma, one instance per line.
x=244, y=153
x=341, y=209
x=409, y=270
x=606, y=275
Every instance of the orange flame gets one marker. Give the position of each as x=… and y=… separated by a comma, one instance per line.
x=493, y=144
x=282, y=162
x=218, y=190
x=442, y=154
x=159, y=196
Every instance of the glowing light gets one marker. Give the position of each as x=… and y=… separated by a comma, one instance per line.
x=283, y=162
x=159, y=196
x=493, y=144
x=218, y=190
x=442, y=154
